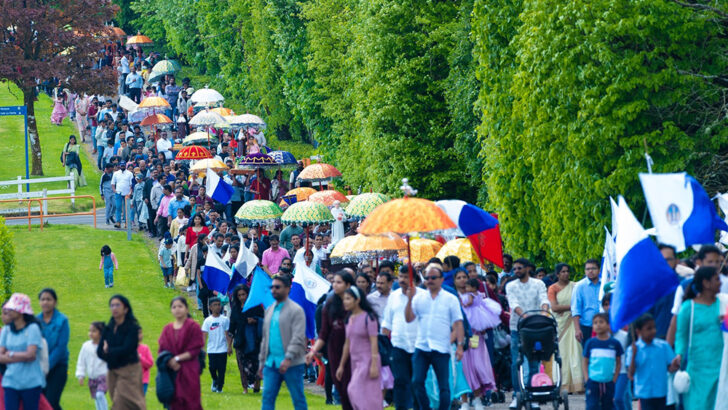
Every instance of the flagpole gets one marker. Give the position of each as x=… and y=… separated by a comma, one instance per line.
x=649, y=161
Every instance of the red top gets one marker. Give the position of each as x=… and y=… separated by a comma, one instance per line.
x=187, y=382
x=191, y=236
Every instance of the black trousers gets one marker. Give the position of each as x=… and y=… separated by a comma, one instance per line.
x=218, y=364
x=55, y=382
x=152, y=213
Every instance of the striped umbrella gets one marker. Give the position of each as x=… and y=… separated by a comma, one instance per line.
x=283, y=157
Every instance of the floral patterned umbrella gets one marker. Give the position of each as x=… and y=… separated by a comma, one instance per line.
x=460, y=247
x=301, y=194
x=308, y=213
x=363, y=204
x=328, y=197
x=258, y=212
x=319, y=173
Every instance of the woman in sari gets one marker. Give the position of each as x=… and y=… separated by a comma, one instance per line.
x=559, y=294
x=59, y=106
x=71, y=159
x=81, y=106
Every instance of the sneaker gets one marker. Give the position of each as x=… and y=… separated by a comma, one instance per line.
x=514, y=404
x=189, y=288
x=535, y=406
x=214, y=389
x=465, y=406
x=111, y=286
x=106, y=286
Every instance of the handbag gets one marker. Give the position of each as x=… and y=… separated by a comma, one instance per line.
x=501, y=338
x=182, y=280
x=681, y=381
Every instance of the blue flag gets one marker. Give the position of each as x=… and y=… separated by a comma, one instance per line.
x=259, y=290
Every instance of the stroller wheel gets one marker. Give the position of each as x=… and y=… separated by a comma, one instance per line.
x=565, y=399
x=519, y=401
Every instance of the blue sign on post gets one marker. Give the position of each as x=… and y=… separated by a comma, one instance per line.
x=20, y=110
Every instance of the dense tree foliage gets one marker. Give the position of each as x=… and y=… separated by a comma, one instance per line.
x=536, y=109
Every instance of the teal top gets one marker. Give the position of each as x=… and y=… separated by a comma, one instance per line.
x=276, y=351
x=707, y=345
x=23, y=375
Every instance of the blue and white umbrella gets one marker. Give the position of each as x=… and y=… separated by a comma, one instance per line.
x=283, y=157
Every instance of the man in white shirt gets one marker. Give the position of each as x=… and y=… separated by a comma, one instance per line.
x=123, y=70
x=403, y=336
x=437, y=313
x=134, y=83
x=524, y=294
x=121, y=184
x=378, y=298
x=164, y=145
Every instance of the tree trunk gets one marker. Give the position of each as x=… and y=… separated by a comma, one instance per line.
x=36, y=156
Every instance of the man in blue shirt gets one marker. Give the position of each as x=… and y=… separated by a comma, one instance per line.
x=585, y=301
x=179, y=202
x=283, y=348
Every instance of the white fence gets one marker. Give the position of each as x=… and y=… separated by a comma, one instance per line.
x=44, y=193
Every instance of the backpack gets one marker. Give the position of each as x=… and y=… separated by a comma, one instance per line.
x=384, y=345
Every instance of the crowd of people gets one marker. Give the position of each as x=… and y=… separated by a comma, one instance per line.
x=443, y=333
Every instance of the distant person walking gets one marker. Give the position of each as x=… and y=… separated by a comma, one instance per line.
x=283, y=349
x=118, y=348
x=183, y=338
x=108, y=264
x=56, y=332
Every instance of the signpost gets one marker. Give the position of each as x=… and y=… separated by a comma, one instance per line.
x=20, y=110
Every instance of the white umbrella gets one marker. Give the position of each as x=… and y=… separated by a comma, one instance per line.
x=206, y=96
x=127, y=103
x=246, y=119
x=207, y=118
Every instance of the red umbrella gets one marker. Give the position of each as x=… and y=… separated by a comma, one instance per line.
x=193, y=152
x=319, y=173
x=155, y=119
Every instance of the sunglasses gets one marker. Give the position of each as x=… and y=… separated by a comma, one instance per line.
x=432, y=277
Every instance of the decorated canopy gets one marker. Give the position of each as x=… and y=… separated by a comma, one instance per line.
x=307, y=212
x=328, y=197
x=422, y=250
x=258, y=212
x=283, y=157
x=257, y=160
x=360, y=247
x=193, y=152
x=363, y=204
x=406, y=215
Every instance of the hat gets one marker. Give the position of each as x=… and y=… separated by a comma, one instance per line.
x=122, y=164
x=20, y=303
x=168, y=241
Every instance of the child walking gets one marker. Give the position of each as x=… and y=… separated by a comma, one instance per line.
x=146, y=359
x=166, y=262
x=649, y=360
x=602, y=362
x=89, y=365
x=219, y=344
x=108, y=264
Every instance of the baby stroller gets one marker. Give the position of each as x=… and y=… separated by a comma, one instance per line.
x=539, y=342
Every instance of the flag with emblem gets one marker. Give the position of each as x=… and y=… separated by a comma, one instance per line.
x=306, y=290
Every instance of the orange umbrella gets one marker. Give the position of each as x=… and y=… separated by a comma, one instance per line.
x=328, y=197
x=319, y=173
x=193, y=152
x=406, y=215
x=223, y=111
x=301, y=194
x=422, y=250
x=154, y=102
x=155, y=119
x=139, y=40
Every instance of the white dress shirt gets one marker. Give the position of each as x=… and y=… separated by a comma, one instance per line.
x=435, y=318
x=378, y=302
x=403, y=334
x=121, y=180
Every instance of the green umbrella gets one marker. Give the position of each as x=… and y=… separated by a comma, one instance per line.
x=162, y=68
x=362, y=205
x=258, y=212
x=307, y=212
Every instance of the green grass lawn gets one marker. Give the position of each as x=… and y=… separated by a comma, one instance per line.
x=52, y=138
x=70, y=266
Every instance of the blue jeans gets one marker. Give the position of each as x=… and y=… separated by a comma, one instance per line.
x=531, y=369
x=108, y=275
x=440, y=362
x=29, y=397
x=99, y=159
x=109, y=210
x=120, y=207
x=272, y=380
x=622, y=394
x=401, y=366
x=599, y=396
x=93, y=136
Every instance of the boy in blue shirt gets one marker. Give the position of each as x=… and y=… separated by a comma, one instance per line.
x=602, y=361
x=166, y=262
x=649, y=361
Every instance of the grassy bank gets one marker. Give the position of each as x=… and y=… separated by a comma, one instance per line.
x=66, y=258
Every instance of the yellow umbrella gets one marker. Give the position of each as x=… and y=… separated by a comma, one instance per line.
x=461, y=248
x=213, y=164
x=223, y=111
x=362, y=247
x=422, y=250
